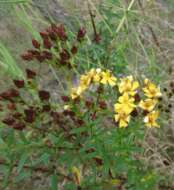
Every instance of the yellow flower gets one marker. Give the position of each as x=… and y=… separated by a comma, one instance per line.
x=76, y=175
x=76, y=92
x=108, y=78
x=150, y=89
x=66, y=107
x=126, y=104
x=127, y=85
x=97, y=76
x=150, y=119
x=148, y=104
x=85, y=80
x=123, y=119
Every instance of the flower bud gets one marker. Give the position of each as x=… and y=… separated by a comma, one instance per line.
x=44, y=35
x=81, y=34
x=47, y=44
x=28, y=56
x=35, y=43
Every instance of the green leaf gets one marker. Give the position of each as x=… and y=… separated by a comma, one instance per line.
x=22, y=175
x=8, y=64
x=22, y=161
x=54, y=182
x=78, y=130
x=44, y=158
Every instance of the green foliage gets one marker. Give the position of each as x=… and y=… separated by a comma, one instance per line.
x=8, y=64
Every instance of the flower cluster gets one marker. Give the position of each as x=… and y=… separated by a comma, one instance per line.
x=21, y=112
x=152, y=94
x=126, y=102
x=93, y=76
x=53, y=46
x=129, y=102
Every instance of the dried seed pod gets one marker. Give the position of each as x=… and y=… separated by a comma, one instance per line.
x=165, y=89
x=80, y=122
x=30, y=115
x=99, y=161
x=10, y=94
x=100, y=89
x=11, y=106
x=8, y=121
x=102, y=104
x=47, y=43
x=19, y=83
x=17, y=115
x=44, y=35
x=134, y=113
x=51, y=34
x=18, y=126
x=28, y=56
x=170, y=106
x=97, y=38
x=64, y=55
x=30, y=74
x=47, y=55
x=145, y=112
x=160, y=106
x=44, y=95
x=55, y=116
x=65, y=98
x=60, y=31
x=81, y=34
x=1, y=107
x=74, y=50
x=36, y=44
x=40, y=57
x=172, y=84
x=69, y=113
x=137, y=97
x=46, y=108
x=34, y=52
x=88, y=103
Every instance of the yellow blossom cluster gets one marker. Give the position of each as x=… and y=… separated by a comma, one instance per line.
x=126, y=102
x=96, y=76
x=152, y=94
x=128, y=88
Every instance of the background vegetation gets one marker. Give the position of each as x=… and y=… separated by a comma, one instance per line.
x=137, y=37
